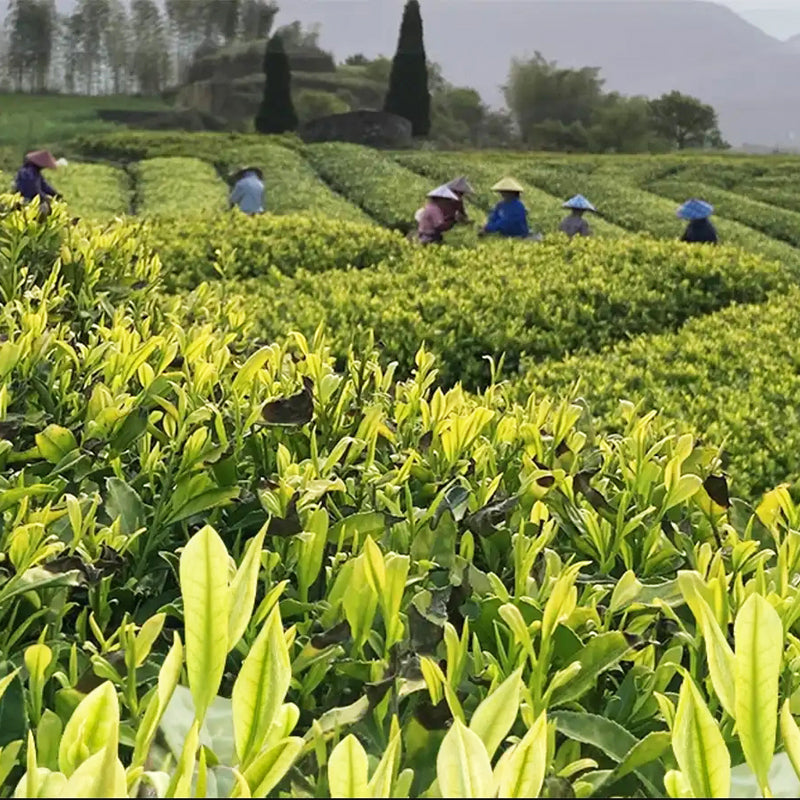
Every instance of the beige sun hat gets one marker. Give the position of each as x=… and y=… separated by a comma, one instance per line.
x=443, y=193
x=461, y=185
x=42, y=159
x=507, y=185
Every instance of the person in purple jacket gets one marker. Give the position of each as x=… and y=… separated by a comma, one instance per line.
x=30, y=182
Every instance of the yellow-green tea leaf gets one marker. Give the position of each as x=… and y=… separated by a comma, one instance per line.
x=463, y=768
x=204, y=586
x=348, y=769
x=758, y=635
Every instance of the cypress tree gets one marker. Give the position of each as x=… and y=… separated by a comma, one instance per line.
x=276, y=114
x=408, y=94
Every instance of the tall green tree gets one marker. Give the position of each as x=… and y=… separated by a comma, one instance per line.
x=150, y=62
x=684, y=121
x=408, y=95
x=276, y=114
x=256, y=18
x=31, y=29
x=539, y=92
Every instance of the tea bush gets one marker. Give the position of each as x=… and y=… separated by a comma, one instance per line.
x=232, y=570
x=132, y=145
x=776, y=223
x=543, y=300
x=730, y=375
x=234, y=245
x=177, y=187
x=638, y=210
x=291, y=184
x=96, y=191
x=373, y=181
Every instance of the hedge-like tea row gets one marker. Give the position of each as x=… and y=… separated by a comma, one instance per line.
x=234, y=245
x=177, y=187
x=545, y=300
x=132, y=145
x=96, y=191
x=776, y=223
x=732, y=375
x=373, y=181
x=638, y=210
x=290, y=184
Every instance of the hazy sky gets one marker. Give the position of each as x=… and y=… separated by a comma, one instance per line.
x=780, y=18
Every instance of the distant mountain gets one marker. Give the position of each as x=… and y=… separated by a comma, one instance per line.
x=793, y=43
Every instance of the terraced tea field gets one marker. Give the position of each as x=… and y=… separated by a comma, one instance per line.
x=292, y=507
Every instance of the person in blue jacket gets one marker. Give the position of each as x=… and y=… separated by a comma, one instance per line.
x=30, y=182
x=509, y=217
x=248, y=191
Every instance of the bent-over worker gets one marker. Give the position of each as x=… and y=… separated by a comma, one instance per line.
x=456, y=212
x=30, y=182
x=432, y=220
x=248, y=190
x=509, y=217
x=699, y=230
x=574, y=224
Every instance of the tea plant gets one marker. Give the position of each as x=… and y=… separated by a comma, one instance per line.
x=177, y=187
x=95, y=191
x=539, y=300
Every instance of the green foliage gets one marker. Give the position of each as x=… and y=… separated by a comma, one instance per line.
x=241, y=561
x=238, y=246
x=175, y=187
x=313, y=103
x=408, y=94
x=543, y=300
x=685, y=121
x=140, y=145
x=276, y=113
x=96, y=191
x=374, y=182
x=641, y=211
x=725, y=375
x=776, y=223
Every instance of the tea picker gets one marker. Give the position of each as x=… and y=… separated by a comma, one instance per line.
x=574, y=224
x=432, y=219
x=248, y=190
x=456, y=213
x=509, y=218
x=30, y=182
x=700, y=229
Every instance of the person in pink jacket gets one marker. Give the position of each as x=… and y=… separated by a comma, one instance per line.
x=432, y=220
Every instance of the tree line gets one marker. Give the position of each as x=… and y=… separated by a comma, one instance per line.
x=549, y=107
x=119, y=46
x=133, y=46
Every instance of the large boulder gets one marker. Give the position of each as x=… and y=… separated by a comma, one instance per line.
x=371, y=128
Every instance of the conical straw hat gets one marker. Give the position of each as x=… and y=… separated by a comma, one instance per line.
x=461, y=185
x=695, y=209
x=443, y=193
x=42, y=159
x=579, y=202
x=507, y=185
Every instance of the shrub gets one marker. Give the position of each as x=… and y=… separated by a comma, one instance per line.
x=237, y=246
x=544, y=300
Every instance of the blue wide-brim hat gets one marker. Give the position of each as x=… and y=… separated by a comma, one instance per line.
x=579, y=202
x=695, y=209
